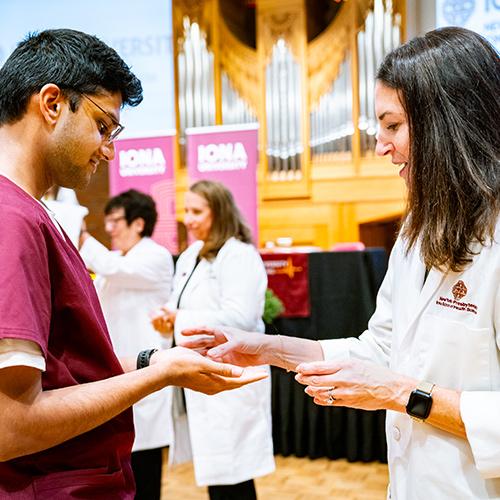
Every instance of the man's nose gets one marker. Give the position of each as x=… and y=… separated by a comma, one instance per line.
x=108, y=150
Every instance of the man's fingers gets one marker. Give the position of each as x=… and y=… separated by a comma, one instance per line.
x=223, y=369
x=252, y=376
x=223, y=383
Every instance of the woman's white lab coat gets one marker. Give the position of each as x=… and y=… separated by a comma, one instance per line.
x=231, y=437
x=130, y=287
x=445, y=331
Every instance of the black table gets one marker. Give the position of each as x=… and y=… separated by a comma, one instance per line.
x=343, y=288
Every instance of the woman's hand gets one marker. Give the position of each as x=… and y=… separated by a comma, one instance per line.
x=229, y=345
x=163, y=321
x=356, y=384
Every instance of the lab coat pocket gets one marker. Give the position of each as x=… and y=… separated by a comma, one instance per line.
x=453, y=354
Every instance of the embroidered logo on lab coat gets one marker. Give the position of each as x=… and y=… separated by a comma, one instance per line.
x=459, y=290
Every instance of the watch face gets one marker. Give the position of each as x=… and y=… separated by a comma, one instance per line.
x=419, y=405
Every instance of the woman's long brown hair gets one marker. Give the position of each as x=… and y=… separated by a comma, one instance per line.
x=449, y=85
x=227, y=221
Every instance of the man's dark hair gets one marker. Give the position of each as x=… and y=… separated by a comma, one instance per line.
x=74, y=61
x=449, y=86
x=135, y=204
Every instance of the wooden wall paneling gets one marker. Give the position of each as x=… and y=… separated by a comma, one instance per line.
x=301, y=234
x=358, y=190
x=335, y=229
x=378, y=210
x=349, y=230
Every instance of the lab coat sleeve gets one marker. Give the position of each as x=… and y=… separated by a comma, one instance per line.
x=136, y=271
x=480, y=412
x=374, y=344
x=242, y=282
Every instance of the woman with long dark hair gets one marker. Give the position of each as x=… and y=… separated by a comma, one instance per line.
x=432, y=347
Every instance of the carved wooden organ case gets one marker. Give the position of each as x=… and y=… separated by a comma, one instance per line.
x=303, y=69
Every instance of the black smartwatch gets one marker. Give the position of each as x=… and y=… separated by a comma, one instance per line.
x=420, y=402
x=144, y=357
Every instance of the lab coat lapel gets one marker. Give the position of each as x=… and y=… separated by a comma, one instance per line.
x=195, y=279
x=419, y=296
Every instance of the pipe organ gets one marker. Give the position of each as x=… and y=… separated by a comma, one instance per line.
x=311, y=93
x=283, y=114
x=331, y=119
x=235, y=109
x=195, y=80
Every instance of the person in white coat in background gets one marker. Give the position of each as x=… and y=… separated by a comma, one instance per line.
x=432, y=347
x=220, y=280
x=131, y=280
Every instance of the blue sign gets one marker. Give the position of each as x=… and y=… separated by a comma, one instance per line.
x=141, y=32
x=482, y=16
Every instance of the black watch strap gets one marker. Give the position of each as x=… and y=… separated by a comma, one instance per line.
x=144, y=357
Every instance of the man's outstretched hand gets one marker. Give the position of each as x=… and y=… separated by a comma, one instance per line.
x=188, y=368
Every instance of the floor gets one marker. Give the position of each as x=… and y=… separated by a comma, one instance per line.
x=295, y=479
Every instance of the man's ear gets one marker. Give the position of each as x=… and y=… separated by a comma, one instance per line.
x=50, y=99
x=139, y=224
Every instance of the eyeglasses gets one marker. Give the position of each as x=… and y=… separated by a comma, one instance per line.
x=108, y=135
x=113, y=221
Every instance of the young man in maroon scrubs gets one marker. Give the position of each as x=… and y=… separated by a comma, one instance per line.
x=65, y=419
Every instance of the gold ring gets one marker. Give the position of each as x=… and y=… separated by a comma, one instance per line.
x=331, y=397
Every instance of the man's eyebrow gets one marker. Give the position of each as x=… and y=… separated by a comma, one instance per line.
x=113, y=117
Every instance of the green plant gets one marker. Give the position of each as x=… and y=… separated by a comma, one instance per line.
x=273, y=307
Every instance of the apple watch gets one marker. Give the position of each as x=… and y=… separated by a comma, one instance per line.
x=420, y=402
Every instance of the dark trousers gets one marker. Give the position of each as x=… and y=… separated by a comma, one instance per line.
x=146, y=465
x=240, y=491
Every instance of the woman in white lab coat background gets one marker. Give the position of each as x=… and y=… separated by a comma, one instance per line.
x=220, y=280
x=432, y=347
x=131, y=280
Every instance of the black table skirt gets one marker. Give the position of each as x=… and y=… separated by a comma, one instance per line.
x=343, y=287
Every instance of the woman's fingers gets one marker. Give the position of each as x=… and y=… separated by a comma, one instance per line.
x=198, y=342
x=221, y=350
x=319, y=368
x=316, y=380
x=199, y=331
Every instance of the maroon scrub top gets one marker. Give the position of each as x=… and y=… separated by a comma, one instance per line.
x=48, y=297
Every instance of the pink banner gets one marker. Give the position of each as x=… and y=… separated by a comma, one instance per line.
x=228, y=154
x=147, y=164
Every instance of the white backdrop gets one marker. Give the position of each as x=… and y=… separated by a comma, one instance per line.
x=141, y=32
x=482, y=16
